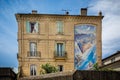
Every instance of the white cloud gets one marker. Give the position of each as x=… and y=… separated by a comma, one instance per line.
x=111, y=24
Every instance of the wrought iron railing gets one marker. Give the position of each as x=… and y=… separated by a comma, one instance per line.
x=33, y=54
x=62, y=54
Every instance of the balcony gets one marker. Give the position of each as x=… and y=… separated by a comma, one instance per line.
x=35, y=54
x=60, y=55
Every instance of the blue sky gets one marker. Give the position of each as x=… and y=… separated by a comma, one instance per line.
x=8, y=24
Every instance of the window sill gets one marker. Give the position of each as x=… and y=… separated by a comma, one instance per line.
x=32, y=33
x=60, y=33
x=34, y=57
x=60, y=58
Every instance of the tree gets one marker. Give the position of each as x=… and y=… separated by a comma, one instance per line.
x=49, y=68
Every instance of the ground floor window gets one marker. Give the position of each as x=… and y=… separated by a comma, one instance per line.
x=33, y=70
x=60, y=68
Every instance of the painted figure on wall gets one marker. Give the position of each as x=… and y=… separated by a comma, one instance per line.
x=31, y=27
x=85, y=46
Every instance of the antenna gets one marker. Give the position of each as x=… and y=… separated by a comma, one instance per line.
x=89, y=6
x=66, y=11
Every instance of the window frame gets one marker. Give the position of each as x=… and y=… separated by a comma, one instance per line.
x=63, y=49
x=28, y=27
x=60, y=68
x=33, y=70
x=33, y=53
x=60, y=27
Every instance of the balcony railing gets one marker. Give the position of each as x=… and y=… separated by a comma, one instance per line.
x=60, y=33
x=60, y=55
x=33, y=54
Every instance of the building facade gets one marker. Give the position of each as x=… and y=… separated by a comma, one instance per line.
x=66, y=41
x=112, y=62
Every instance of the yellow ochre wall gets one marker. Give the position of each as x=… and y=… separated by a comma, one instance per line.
x=47, y=37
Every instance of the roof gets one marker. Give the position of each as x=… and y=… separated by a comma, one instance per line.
x=57, y=15
x=118, y=52
x=7, y=71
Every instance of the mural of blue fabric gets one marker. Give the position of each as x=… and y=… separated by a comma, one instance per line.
x=85, y=46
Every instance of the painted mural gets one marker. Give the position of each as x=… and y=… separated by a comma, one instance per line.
x=85, y=46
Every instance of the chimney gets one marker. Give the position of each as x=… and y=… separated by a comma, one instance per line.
x=84, y=11
x=34, y=11
x=100, y=13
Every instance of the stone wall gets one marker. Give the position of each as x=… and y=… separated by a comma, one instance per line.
x=78, y=75
x=52, y=76
x=96, y=75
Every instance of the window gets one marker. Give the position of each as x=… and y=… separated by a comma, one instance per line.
x=32, y=27
x=33, y=49
x=60, y=49
x=33, y=70
x=60, y=67
x=113, y=60
x=59, y=27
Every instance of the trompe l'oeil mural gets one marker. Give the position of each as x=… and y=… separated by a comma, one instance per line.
x=85, y=46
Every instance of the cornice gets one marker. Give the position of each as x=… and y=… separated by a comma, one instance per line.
x=46, y=17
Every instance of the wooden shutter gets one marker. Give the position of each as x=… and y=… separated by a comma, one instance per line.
x=36, y=27
x=27, y=27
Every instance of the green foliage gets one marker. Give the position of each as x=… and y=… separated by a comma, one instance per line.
x=97, y=68
x=48, y=68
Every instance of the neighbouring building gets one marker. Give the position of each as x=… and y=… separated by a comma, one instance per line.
x=112, y=62
x=66, y=41
x=7, y=74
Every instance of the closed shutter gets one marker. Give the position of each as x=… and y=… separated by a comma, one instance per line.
x=27, y=26
x=60, y=27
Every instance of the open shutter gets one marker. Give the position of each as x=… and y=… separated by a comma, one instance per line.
x=27, y=26
x=36, y=27
x=55, y=49
x=63, y=50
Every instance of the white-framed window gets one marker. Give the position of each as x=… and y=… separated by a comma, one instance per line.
x=60, y=49
x=31, y=27
x=33, y=70
x=60, y=27
x=33, y=48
